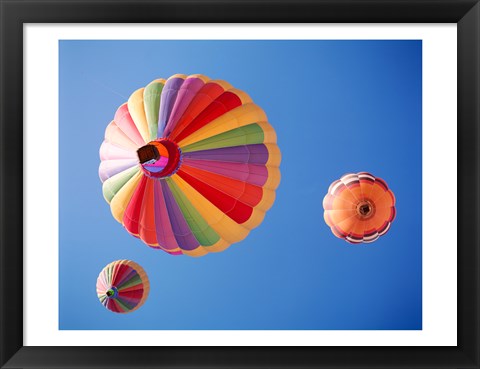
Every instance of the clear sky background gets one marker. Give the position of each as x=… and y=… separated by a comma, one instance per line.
x=337, y=107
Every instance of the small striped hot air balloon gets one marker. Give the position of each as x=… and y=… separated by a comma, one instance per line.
x=359, y=207
x=122, y=286
x=189, y=165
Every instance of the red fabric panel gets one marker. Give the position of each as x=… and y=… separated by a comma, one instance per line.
x=113, y=306
x=224, y=103
x=136, y=287
x=202, y=99
x=147, y=220
x=121, y=272
x=235, y=209
x=131, y=217
x=131, y=295
x=247, y=193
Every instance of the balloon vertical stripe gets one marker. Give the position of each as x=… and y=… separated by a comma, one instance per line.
x=136, y=108
x=123, y=119
x=183, y=234
x=169, y=96
x=151, y=98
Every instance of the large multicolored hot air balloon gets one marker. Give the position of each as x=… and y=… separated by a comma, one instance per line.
x=189, y=165
x=359, y=207
x=122, y=286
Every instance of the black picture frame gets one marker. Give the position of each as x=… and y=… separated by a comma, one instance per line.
x=15, y=13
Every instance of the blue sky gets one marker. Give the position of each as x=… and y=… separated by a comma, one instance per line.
x=337, y=107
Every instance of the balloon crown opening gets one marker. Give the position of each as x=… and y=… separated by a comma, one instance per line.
x=365, y=209
x=148, y=153
x=112, y=292
x=160, y=158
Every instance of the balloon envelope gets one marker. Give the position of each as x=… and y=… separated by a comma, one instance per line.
x=122, y=286
x=359, y=207
x=189, y=165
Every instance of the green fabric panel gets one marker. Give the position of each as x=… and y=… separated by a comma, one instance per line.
x=124, y=305
x=112, y=185
x=151, y=100
x=130, y=282
x=246, y=135
x=109, y=273
x=204, y=234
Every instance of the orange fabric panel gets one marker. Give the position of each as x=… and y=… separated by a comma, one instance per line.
x=381, y=216
x=338, y=216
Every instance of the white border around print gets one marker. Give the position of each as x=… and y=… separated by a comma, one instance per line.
x=439, y=156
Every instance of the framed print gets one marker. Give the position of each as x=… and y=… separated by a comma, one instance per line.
x=227, y=184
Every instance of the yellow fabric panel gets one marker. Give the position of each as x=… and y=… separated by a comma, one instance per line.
x=238, y=117
x=223, y=84
x=199, y=251
x=205, y=79
x=268, y=198
x=137, y=112
x=273, y=179
x=159, y=80
x=255, y=219
x=242, y=95
x=270, y=136
x=122, y=198
x=203, y=250
x=274, y=155
x=178, y=75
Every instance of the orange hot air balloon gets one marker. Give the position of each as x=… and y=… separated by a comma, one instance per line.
x=359, y=207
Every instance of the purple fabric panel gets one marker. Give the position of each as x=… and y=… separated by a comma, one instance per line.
x=167, y=100
x=185, y=96
x=158, y=166
x=185, y=238
x=250, y=173
x=253, y=154
x=165, y=236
